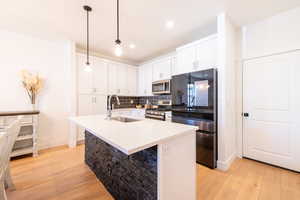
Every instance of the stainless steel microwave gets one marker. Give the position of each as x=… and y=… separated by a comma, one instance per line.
x=161, y=87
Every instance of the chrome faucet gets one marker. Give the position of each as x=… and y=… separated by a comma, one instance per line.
x=109, y=108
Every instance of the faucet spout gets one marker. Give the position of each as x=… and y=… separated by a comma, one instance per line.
x=109, y=107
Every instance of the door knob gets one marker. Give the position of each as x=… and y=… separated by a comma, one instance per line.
x=246, y=114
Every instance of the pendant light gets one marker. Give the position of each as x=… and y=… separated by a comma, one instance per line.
x=88, y=67
x=118, y=48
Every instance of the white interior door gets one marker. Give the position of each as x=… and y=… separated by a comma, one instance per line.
x=271, y=96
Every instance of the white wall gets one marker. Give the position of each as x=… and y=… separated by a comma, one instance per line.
x=53, y=60
x=227, y=63
x=276, y=34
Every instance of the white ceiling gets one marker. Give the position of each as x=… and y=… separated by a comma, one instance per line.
x=142, y=21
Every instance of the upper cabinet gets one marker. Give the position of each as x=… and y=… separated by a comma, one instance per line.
x=196, y=56
x=132, y=80
x=95, y=81
x=162, y=69
x=206, y=53
x=145, y=80
x=186, y=56
x=122, y=79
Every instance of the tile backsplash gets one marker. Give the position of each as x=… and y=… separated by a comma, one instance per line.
x=132, y=101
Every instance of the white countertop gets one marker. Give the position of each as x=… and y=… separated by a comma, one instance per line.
x=132, y=137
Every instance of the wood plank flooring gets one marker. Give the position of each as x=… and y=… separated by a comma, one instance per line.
x=60, y=174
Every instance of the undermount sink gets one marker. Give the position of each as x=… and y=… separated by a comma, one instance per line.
x=124, y=119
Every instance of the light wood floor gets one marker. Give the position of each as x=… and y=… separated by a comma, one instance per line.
x=60, y=174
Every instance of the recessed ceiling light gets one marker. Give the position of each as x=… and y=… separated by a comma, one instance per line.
x=132, y=46
x=170, y=24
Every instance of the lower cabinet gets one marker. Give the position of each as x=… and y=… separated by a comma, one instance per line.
x=90, y=104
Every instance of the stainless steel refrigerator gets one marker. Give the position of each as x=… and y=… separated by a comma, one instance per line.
x=194, y=102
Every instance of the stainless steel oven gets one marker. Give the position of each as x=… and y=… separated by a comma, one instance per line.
x=161, y=87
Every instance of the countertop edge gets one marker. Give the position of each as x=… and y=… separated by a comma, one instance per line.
x=137, y=149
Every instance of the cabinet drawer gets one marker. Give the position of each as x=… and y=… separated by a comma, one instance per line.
x=27, y=120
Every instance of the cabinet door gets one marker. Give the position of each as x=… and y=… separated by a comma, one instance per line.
x=206, y=55
x=85, y=104
x=122, y=88
x=166, y=66
x=100, y=104
x=112, y=79
x=162, y=69
x=148, y=80
x=100, y=76
x=141, y=81
x=156, y=71
x=85, y=107
x=173, y=65
x=132, y=80
x=145, y=80
x=85, y=79
x=186, y=57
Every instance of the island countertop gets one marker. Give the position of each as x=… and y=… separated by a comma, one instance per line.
x=132, y=137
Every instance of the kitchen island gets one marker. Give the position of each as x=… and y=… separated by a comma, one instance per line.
x=141, y=159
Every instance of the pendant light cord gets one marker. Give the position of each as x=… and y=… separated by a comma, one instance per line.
x=118, y=24
x=87, y=38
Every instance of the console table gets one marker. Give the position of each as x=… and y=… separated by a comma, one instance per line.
x=26, y=142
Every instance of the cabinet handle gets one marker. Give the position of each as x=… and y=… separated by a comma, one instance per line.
x=95, y=99
x=118, y=91
x=94, y=90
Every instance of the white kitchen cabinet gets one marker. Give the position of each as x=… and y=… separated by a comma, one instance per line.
x=94, y=81
x=145, y=80
x=90, y=104
x=186, y=57
x=112, y=79
x=85, y=80
x=162, y=69
x=100, y=76
x=122, y=79
x=206, y=54
x=122, y=85
x=99, y=104
x=132, y=80
x=85, y=104
x=196, y=56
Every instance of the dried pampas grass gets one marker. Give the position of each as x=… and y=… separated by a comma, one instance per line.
x=33, y=83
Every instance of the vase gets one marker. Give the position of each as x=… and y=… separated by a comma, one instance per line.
x=34, y=106
x=33, y=102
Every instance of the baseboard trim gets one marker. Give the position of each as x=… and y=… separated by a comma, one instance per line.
x=225, y=165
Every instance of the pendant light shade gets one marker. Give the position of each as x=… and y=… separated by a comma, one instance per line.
x=87, y=67
x=118, y=47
